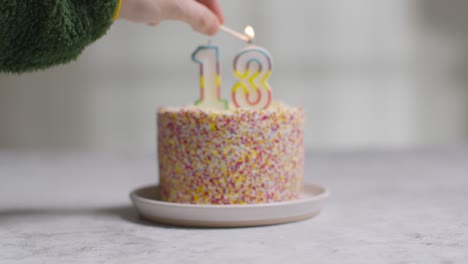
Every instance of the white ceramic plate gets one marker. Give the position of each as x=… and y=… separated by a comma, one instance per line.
x=150, y=207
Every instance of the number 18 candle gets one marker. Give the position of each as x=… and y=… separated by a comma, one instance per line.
x=210, y=79
x=252, y=68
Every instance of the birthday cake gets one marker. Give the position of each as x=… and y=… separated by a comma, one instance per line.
x=247, y=152
x=232, y=156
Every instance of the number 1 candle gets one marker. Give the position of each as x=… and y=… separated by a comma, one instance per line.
x=210, y=79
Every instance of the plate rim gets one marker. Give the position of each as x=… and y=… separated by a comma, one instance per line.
x=228, y=223
x=325, y=193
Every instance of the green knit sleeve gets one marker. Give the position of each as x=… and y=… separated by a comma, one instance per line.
x=36, y=34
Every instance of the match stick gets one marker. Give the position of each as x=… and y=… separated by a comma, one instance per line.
x=235, y=33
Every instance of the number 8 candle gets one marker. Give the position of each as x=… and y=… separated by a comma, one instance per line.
x=252, y=67
x=210, y=79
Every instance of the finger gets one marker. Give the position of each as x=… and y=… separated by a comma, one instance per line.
x=194, y=13
x=215, y=7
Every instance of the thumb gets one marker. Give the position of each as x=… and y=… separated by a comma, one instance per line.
x=193, y=13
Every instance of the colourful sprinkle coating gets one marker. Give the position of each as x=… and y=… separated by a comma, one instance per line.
x=236, y=156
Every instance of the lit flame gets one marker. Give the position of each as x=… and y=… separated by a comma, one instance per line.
x=249, y=31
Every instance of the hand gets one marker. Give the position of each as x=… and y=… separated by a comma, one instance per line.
x=204, y=16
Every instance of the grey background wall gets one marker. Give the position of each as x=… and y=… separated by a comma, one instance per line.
x=371, y=74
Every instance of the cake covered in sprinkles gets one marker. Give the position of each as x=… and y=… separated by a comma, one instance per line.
x=235, y=156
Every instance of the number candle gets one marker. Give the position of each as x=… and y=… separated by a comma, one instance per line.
x=252, y=67
x=210, y=79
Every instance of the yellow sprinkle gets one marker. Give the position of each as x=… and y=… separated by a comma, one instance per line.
x=225, y=150
x=178, y=169
x=213, y=127
x=254, y=153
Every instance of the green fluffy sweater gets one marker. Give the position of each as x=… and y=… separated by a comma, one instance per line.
x=36, y=34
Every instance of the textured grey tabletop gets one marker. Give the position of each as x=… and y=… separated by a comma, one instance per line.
x=396, y=207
